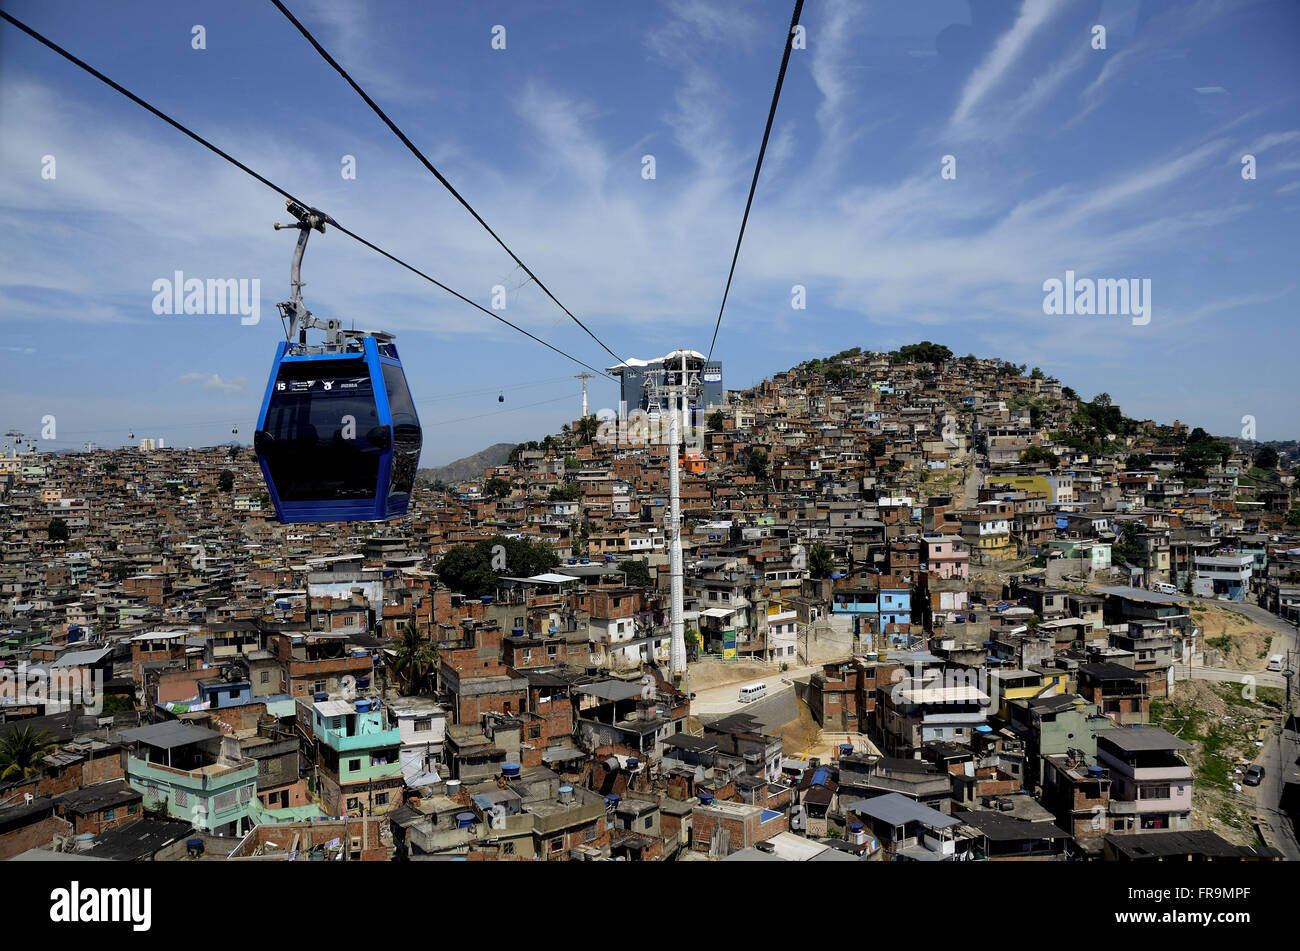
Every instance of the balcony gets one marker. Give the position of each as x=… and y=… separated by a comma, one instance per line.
x=207, y=779
x=343, y=743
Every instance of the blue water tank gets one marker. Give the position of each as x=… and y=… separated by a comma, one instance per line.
x=363, y=706
x=1096, y=772
x=633, y=763
x=510, y=770
x=855, y=826
x=706, y=799
x=516, y=632
x=486, y=599
x=464, y=820
x=320, y=697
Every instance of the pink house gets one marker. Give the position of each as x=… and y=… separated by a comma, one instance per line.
x=947, y=556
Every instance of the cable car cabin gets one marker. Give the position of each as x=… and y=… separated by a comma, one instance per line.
x=338, y=438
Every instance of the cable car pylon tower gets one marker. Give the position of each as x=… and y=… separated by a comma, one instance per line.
x=674, y=391
x=584, y=377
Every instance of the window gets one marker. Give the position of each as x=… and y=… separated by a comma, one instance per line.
x=508, y=848
x=354, y=764
x=381, y=799
x=352, y=803
x=557, y=845
x=108, y=814
x=423, y=726
x=266, y=676
x=535, y=731
x=590, y=833
x=649, y=822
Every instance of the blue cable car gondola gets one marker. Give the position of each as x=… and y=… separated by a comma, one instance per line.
x=338, y=438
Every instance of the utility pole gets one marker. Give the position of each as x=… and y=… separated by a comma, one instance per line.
x=584, y=377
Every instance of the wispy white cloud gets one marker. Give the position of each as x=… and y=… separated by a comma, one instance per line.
x=1006, y=53
x=213, y=383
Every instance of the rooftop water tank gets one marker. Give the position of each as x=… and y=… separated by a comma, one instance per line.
x=510, y=770
x=1096, y=771
x=464, y=820
x=363, y=706
x=453, y=787
x=566, y=794
x=633, y=763
x=706, y=799
x=486, y=599
x=320, y=697
x=516, y=632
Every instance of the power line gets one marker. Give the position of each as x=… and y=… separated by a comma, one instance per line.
x=276, y=188
x=436, y=174
x=767, y=131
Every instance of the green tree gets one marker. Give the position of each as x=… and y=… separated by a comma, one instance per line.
x=821, y=561
x=925, y=352
x=1137, y=460
x=1199, y=456
x=413, y=659
x=57, y=530
x=1126, y=547
x=226, y=481
x=21, y=751
x=716, y=419
x=756, y=464
x=1036, y=454
x=468, y=568
x=565, y=493
x=497, y=488
x=588, y=426
x=1266, y=458
x=638, y=573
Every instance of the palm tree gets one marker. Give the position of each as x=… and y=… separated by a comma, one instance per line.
x=821, y=561
x=414, y=660
x=21, y=752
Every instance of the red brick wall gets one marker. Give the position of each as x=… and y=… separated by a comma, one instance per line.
x=33, y=836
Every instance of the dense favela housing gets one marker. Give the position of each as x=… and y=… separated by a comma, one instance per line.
x=937, y=608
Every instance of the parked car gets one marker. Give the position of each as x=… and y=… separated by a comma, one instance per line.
x=1254, y=774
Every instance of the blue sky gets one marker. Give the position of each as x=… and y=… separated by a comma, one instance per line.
x=1115, y=163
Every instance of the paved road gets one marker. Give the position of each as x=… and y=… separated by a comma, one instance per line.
x=714, y=702
x=1263, y=678
x=974, y=479
x=1285, y=635
x=1278, y=753
x=774, y=711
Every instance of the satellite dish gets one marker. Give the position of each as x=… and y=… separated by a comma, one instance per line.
x=348, y=687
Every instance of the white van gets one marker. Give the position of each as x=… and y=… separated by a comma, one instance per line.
x=1276, y=662
x=752, y=692
x=1164, y=587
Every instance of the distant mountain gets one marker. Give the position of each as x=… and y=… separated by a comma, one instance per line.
x=471, y=467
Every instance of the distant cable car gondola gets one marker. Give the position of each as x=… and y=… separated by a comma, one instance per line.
x=338, y=438
x=501, y=398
